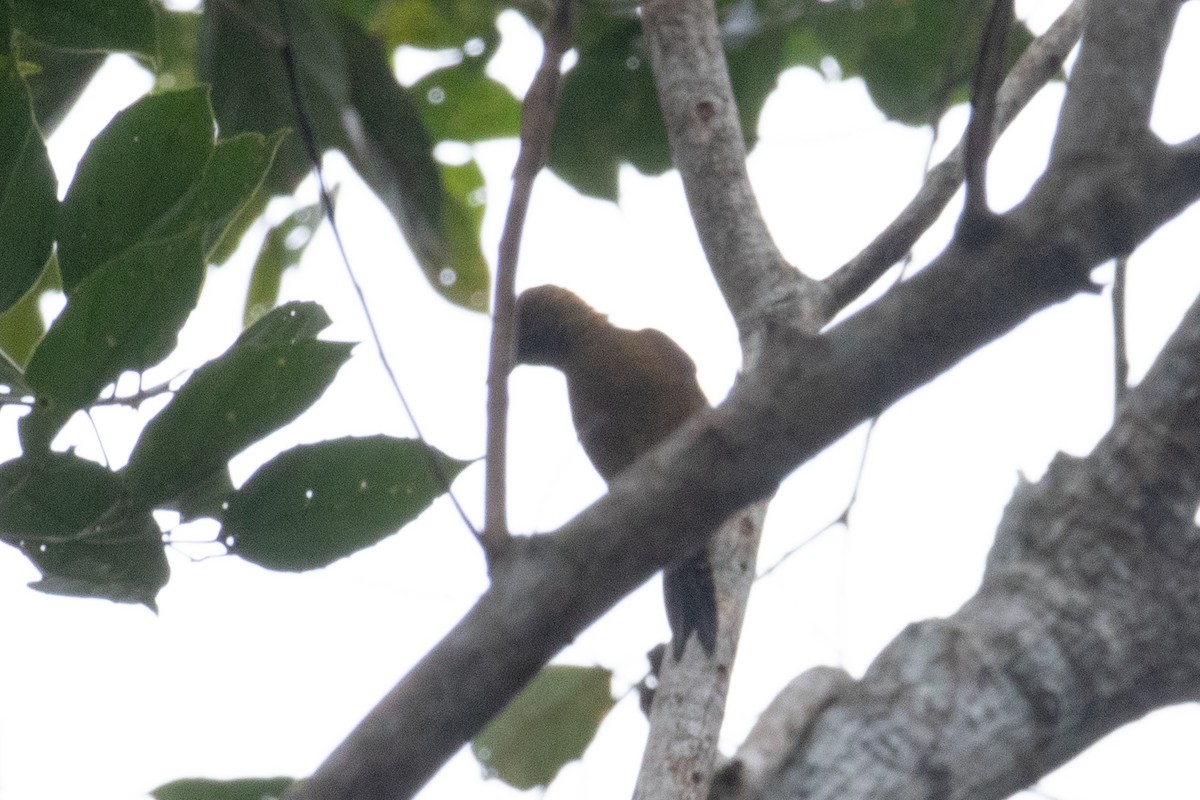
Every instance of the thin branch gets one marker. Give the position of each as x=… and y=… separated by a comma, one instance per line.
x=1040, y=62
x=1120, y=348
x=989, y=71
x=537, y=124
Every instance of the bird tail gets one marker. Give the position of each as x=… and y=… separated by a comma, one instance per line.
x=691, y=603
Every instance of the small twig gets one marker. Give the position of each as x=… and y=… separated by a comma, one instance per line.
x=537, y=124
x=989, y=72
x=1120, y=345
x=309, y=139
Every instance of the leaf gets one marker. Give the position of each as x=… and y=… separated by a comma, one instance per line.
x=281, y=250
x=207, y=789
x=434, y=24
x=314, y=504
x=61, y=77
x=124, y=316
x=208, y=498
x=250, y=211
x=274, y=371
x=234, y=44
x=608, y=112
x=463, y=217
x=89, y=25
x=179, y=44
x=349, y=100
x=67, y=516
x=28, y=190
x=131, y=177
x=915, y=57
x=461, y=103
x=551, y=722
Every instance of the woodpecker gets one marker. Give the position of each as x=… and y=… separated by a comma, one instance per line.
x=628, y=391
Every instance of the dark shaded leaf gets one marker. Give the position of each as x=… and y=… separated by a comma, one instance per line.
x=281, y=250
x=394, y=156
x=67, y=516
x=61, y=77
x=609, y=112
x=916, y=57
x=21, y=327
x=314, y=504
x=273, y=372
x=131, y=178
x=89, y=25
x=206, y=499
x=551, y=722
x=124, y=316
x=349, y=100
x=28, y=190
x=207, y=789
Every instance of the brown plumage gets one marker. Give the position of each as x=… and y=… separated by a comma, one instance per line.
x=628, y=390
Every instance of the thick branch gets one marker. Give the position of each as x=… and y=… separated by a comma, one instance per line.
x=806, y=392
x=1113, y=84
x=1088, y=618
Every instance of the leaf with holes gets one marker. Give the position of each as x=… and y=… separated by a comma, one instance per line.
x=281, y=250
x=317, y=503
x=273, y=372
x=551, y=722
x=124, y=316
x=68, y=517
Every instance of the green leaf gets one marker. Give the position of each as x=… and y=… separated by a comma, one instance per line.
x=21, y=326
x=124, y=316
x=232, y=176
x=60, y=80
x=207, y=789
x=250, y=211
x=132, y=177
x=233, y=46
x=462, y=214
x=68, y=517
x=349, y=100
x=179, y=43
x=915, y=57
x=88, y=24
x=208, y=498
x=461, y=103
x=394, y=156
x=551, y=722
x=314, y=504
x=433, y=24
x=281, y=250
x=274, y=371
x=28, y=190
x=609, y=113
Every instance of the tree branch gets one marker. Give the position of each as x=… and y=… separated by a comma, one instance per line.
x=705, y=133
x=1088, y=618
x=1040, y=62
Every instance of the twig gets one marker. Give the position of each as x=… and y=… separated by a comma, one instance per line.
x=989, y=71
x=537, y=123
x=1120, y=345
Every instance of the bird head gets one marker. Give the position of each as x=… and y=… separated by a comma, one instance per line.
x=550, y=320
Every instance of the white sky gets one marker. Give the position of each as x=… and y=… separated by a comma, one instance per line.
x=251, y=673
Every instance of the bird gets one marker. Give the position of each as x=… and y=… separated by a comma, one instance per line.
x=628, y=390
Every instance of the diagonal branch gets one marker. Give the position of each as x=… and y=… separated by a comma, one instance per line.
x=1040, y=62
